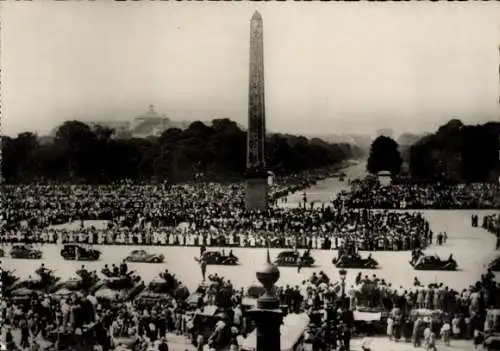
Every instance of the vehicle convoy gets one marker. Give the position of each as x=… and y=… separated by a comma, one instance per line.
x=293, y=258
x=433, y=263
x=162, y=289
x=84, y=281
x=355, y=261
x=124, y=287
x=219, y=258
x=144, y=257
x=44, y=283
x=213, y=282
x=26, y=252
x=79, y=253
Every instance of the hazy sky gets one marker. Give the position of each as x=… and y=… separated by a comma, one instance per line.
x=329, y=67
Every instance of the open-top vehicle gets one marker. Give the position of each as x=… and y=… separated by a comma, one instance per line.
x=26, y=252
x=195, y=297
x=8, y=280
x=84, y=281
x=80, y=253
x=434, y=263
x=124, y=288
x=205, y=323
x=160, y=290
x=44, y=283
x=355, y=261
x=218, y=258
x=144, y=256
x=291, y=258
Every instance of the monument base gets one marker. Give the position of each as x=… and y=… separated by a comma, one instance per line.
x=256, y=194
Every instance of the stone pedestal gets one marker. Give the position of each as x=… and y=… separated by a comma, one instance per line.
x=256, y=193
x=268, y=328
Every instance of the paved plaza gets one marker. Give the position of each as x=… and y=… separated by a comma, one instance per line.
x=473, y=248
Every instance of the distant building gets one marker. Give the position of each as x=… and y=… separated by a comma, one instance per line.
x=146, y=125
x=153, y=124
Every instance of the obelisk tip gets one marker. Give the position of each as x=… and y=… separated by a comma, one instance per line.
x=256, y=16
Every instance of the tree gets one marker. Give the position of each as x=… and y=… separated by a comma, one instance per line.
x=384, y=156
x=77, y=142
x=457, y=153
x=80, y=153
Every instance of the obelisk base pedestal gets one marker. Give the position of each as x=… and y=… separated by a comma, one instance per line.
x=256, y=193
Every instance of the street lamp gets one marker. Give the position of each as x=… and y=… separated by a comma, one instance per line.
x=267, y=315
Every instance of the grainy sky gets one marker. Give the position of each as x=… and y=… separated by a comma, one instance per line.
x=329, y=67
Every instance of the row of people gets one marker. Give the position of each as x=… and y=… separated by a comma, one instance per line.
x=250, y=240
x=318, y=229
x=369, y=194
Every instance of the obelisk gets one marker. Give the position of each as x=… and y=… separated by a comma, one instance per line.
x=256, y=172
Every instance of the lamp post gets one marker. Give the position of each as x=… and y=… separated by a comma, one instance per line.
x=342, y=274
x=267, y=315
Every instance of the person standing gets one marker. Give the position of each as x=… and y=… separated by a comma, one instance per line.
x=390, y=324
x=346, y=337
x=445, y=333
x=203, y=248
x=25, y=333
x=203, y=266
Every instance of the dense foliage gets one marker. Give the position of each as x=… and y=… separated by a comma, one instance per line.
x=80, y=153
x=457, y=153
x=384, y=156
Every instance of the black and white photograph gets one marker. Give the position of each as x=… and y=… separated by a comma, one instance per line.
x=249, y=176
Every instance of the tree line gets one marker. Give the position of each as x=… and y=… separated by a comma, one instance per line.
x=455, y=153
x=80, y=153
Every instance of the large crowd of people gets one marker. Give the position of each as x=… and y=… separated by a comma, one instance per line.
x=215, y=315
x=370, y=194
x=210, y=214
x=186, y=215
